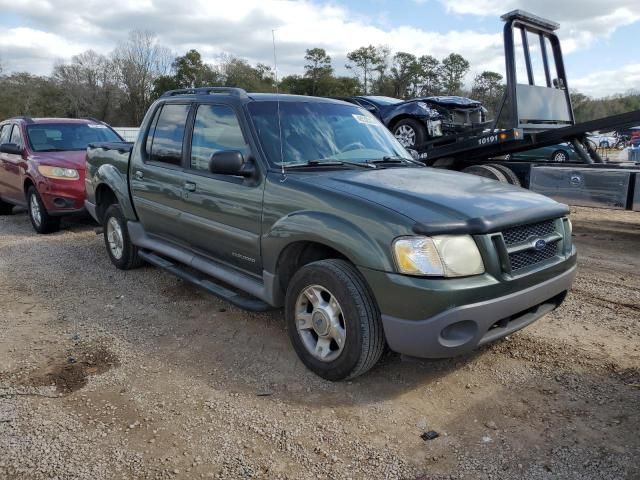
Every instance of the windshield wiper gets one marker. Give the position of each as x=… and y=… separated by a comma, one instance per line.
x=53, y=150
x=331, y=163
x=395, y=159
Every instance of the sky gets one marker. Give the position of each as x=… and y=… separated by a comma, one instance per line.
x=599, y=38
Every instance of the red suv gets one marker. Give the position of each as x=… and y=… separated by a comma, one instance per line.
x=42, y=163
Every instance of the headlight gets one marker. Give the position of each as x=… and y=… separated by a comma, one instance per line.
x=58, y=172
x=441, y=256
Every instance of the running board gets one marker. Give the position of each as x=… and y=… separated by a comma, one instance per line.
x=247, y=303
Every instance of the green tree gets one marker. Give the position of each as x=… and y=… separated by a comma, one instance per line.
x=488, y=88
x=404, y=74
x=318, y=67
x=452, y=71
x=364, y=62
x=429, y=77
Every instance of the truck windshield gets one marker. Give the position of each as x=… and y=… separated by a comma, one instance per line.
x=64, y=137
x=319, y=131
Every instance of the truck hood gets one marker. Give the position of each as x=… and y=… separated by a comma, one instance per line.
x=441, y=201
x=68, y=159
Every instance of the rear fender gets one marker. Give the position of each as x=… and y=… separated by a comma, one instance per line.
x=108, y=175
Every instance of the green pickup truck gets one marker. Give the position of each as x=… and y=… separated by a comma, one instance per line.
x=311, y=204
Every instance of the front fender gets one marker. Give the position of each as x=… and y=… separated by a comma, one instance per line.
x=109, y=176
x=329, y=230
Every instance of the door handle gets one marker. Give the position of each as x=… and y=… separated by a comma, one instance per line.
x=190, y=186
x=139, y=174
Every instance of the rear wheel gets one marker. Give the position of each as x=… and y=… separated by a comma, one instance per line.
x=510, y=175
x=409, y=132
x=123, y=253
x=40, y=219
x=5, y=208
x=332, y=320
x=486, y=171
x=560, y=156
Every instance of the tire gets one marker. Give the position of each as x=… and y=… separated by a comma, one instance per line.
x=410, y=132
x=486, y=171
x=40, y=219
x=620, y=145
x=122, y=253
x=560, y=156
x=6, y=208
x=337, y=283
x=509, y=174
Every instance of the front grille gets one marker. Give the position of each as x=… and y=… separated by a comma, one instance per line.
x=525, y=232
x=520, y=260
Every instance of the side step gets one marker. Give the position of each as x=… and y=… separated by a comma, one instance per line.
x=247, y=303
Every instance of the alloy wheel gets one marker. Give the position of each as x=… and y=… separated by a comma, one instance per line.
x=320, y=323
x=405, y=135
x=115, y=238
x=34, y=208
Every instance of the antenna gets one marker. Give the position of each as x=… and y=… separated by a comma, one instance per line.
x=275, y=71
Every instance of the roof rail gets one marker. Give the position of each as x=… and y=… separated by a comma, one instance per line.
x=238, y=92
x=23, y=117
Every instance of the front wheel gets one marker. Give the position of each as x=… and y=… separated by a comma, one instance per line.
x=40, y=219
x=123, y=253
x=409, y=132
x=332, y=320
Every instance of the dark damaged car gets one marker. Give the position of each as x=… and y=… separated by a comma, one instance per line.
x=419, y=120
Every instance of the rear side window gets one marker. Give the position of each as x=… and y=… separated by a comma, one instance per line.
x=168, y=136
x=16, y=136
x=216, y=128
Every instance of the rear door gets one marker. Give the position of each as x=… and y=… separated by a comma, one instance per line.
x=156, y=175
x=221, y=213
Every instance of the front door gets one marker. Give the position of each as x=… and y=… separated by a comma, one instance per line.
x=221, y=213
x=12, y=164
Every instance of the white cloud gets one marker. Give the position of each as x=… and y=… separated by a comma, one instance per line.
x=609, y=82
x=61, y=28
x=581, y=21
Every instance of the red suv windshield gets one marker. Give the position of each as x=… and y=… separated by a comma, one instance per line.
x=61, y=137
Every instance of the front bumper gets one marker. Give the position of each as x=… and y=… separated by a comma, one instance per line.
x=63, y=197
x=436, y=321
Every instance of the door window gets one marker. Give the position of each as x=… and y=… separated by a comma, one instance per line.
x=5, y=133
x=166, y=145
x=16, y=136
x=216, y=128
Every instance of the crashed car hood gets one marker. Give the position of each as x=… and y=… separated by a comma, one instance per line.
x=452, y=101
x=441, y=201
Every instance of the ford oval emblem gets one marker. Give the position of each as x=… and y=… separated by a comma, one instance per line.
x=540, y=244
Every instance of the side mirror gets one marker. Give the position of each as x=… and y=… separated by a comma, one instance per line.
x=230, y=162
x=11, y=148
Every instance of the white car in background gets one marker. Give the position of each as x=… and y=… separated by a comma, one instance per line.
x=604, y=140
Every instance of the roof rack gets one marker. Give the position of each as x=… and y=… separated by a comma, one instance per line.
x=23, y=117
x=238, y=92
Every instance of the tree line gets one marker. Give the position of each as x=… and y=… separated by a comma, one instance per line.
x=119, y=87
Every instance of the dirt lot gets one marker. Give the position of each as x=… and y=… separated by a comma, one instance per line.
x=114, y=375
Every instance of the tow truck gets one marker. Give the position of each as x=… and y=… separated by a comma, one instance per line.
x=536, y=111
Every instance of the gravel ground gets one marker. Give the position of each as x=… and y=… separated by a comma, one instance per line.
x=115, y=375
